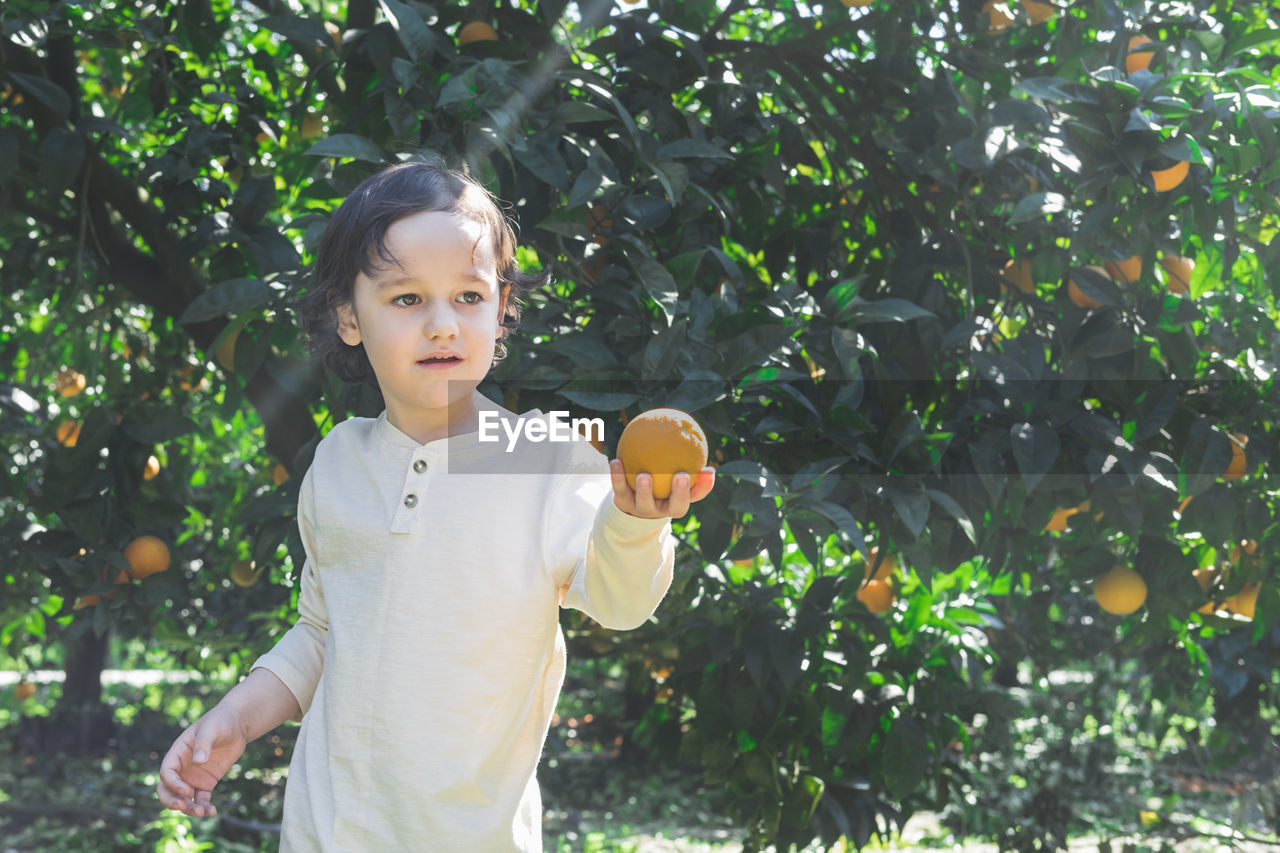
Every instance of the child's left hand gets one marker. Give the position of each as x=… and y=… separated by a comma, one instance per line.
x=641, y=503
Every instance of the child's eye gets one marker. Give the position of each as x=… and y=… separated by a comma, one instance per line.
x=478, y=298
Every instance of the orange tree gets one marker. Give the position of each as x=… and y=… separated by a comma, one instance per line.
x=930, y=275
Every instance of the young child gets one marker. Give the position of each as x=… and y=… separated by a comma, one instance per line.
x=427, y=657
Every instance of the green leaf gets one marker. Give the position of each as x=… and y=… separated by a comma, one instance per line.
x=577, y=112
x=1035, y=449
x=912, y=507
x=953, y=508
x=882, y=311
x=158, y=432
x=347, y=145
x=905, y=758
x=61, y=155
x=45, y=91
x=418, y=40
x=1056, y=89
x=1211, y=43
x=228, y=297
x=691, y=148
x=1037, y=206
x=656, y=280
x=1251, y=39
x=298, y=28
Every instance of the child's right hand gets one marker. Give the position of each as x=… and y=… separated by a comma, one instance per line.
x=187, y=777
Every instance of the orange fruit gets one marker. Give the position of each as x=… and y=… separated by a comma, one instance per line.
x=597, y=217
x=147, y=555
x=1058, y=523
x=69, y=383
x=662, y=442
x=1205, y=577
x=243, y=574
x=279, y=474
x=1138, y=61
x=1177, y=273
x=1248, y=546
x=1078, y=296
x=185, y=385
x=1120, y=591
x=1125, y=271
x=153, y=468
x=998, y=18
x=68, y=433
x=1038, y=12
x=226, y=353
x=24, y=690
x=1167, y=179
x=311, y=126
x=1244, y=601
x=1018, y=273
x=1239, y=462
x=876, y=595
x=476, y=31
x=887, y=566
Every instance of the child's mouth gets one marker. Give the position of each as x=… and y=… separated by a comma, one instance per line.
x=439, y=363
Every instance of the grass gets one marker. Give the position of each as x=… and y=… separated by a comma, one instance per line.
x=107, y=803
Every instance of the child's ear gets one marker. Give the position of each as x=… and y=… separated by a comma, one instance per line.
x=348, y=328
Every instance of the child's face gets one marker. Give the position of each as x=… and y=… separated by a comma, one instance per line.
x=443, y=296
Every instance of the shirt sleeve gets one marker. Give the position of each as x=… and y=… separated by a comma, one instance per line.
x=612, y=566
x=298, y=657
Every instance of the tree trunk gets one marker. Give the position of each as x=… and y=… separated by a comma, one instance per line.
x=81, y=724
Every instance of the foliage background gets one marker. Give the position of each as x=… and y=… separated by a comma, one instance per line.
x=790, y=219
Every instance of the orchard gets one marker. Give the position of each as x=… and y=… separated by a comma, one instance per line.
x=974, y=305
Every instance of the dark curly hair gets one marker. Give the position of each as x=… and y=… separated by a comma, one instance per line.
x=359, y=226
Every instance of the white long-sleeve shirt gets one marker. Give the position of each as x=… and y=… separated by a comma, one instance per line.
x=427, y=657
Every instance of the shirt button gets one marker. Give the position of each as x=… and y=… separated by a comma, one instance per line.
x=420, y=466
x=411, y=501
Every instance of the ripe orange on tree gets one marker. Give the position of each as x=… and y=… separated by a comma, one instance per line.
x=1138, y=61
x=152, y=469
x=1168, y=179
x=1128, y=270
x=1177, y=273
x=876, y=595
x=312, y=124
x=243, y=574
x=185, y=384
x=68, y=433
x=1205, y=578
x=1245, y=601
x=1239, y=464
x=662, y=442
x=1120, y=591
x=476, y=31
x=24, y=690
x=1018, y=273
x=147, y=555
x=1078, y=296
x=1038, y=12
x=998, y=19
x=226, y=353
x=69, y=383
x=886, y=568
